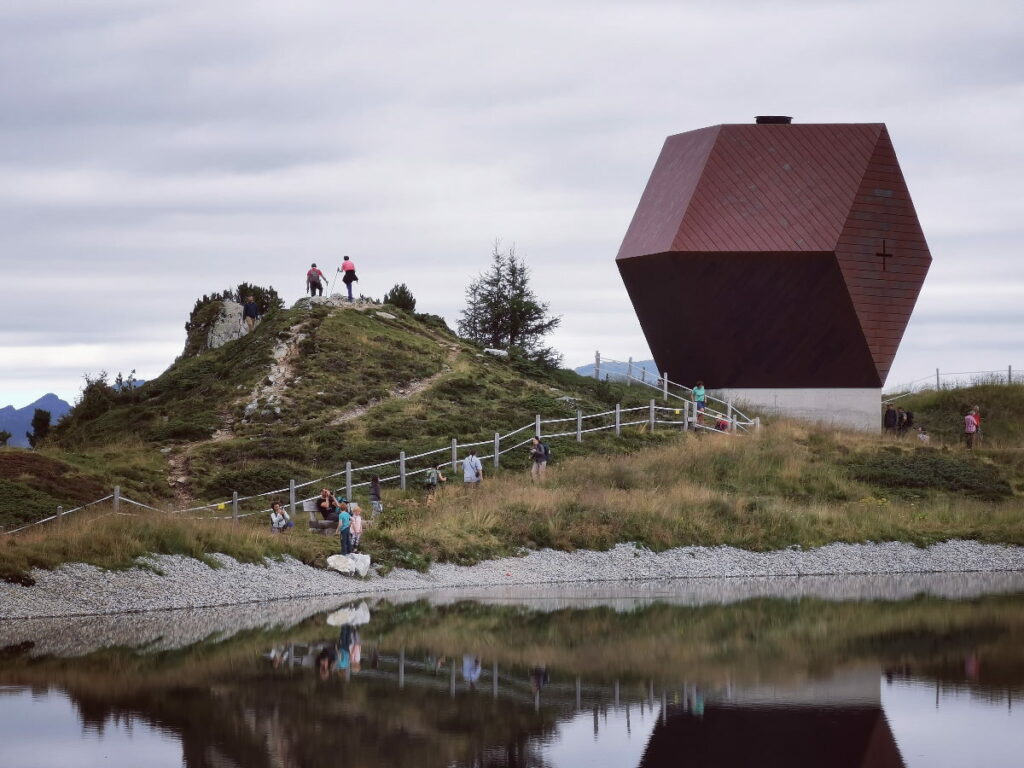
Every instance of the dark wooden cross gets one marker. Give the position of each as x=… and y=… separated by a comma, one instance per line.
x=885, y=256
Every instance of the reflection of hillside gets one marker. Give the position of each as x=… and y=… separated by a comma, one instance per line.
x=778, y=673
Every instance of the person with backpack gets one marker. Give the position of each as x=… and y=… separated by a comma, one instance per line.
x=315, y=280
x=432, y=480
x=700, y=401
x=970, y=429
x=472, y=470
x=540, y=453
x=348, y=269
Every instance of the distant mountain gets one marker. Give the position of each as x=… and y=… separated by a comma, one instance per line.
x=18, y=421
x=613, y=371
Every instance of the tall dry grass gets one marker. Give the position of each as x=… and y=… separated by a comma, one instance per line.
x=790, y=485
x=108, y=540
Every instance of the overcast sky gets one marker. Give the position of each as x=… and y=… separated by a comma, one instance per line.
x=152, y=151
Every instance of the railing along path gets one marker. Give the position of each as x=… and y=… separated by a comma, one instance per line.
x=675, y=411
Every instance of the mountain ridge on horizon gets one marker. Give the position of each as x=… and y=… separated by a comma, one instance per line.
x=18, y=421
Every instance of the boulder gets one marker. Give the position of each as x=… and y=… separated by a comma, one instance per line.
x=354, y=615
x=227, y=327
x=350, y=565
x=385, y=315
x=496, y=352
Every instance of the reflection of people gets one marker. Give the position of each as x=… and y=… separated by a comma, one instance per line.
x=471, y=669
x=325, y=660
x=539, y=677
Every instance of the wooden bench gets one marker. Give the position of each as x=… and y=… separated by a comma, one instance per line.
x=326, y=527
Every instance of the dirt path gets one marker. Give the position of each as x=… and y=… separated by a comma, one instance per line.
x=406, y=391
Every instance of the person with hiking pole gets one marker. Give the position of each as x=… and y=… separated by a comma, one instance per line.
x=315, y=280
x=348, y=267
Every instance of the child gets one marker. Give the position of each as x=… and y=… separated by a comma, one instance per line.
x=345, y=530
x=923, y=436
x=356, y=526
x=279, y=518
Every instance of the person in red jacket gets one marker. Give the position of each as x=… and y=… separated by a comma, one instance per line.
x=315, y=280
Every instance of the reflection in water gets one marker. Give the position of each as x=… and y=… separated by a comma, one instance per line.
x=925, y=682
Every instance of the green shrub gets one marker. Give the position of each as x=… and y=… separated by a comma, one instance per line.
x=930, y=468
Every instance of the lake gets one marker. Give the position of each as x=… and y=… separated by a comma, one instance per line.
x=838, y=673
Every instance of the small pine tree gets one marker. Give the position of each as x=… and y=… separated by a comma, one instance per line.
x=400, y=296
x=40, y=427
x=4, y=437
x=502, y=311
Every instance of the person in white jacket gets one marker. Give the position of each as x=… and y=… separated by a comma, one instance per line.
x=472, y=470
x=280, y=520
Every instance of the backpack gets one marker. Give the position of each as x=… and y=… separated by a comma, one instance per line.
x=312, y=276
x=547, y=451
x=431, y=479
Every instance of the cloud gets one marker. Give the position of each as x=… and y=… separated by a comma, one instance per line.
x=152, y=151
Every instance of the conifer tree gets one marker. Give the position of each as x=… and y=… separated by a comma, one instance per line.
x=502, y=311
x=40, y=427
x=400, y=296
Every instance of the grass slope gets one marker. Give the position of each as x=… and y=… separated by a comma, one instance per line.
x=344, y=395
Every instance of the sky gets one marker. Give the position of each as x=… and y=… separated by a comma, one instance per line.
x=152, y=151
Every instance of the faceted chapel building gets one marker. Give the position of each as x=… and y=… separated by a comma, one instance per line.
x=778, y=263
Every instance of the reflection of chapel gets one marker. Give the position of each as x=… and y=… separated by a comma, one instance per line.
x=837, y=723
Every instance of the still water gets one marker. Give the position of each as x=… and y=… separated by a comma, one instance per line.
x=559, y=679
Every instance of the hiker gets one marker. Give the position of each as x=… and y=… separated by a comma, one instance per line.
x=472, y=470
x=700, y=400
x=280, y=520
x=432, y=480
x=540, y=453
x=251, y=313
x=901, y=422
x=348, y=267
x=315, y=280
x=328, y=505
x=345, y=531
x=376, y=506
x=976, y=413
x=357, y=526
x=923, y=436
x=970, y=429
x=891, y=420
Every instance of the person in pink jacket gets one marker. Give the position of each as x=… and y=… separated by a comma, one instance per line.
x=357, y=526
x=970, y=429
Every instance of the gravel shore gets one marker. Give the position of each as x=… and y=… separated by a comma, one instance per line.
x=181, y=582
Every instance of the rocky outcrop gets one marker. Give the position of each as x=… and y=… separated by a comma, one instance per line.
x=227, y=327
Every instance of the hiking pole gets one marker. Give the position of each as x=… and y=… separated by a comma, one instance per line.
x=330, y=288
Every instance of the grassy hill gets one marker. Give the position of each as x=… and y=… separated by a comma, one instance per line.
x=316, y=385
x=311, y=387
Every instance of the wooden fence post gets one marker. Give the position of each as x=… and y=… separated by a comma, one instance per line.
x=686, y=415
x=618, y=419
x=629, y=372
x=455, y=454
x=117, y=499
x=536, y=425
x=497, y=449
x=938, y=385
x=60, y=515
x=291, y=498
x=1009, y=374
x=348, y=481
x=597, y=366
x=651, y=416
x=401, y=470
x=664, y=386
x=234, y=506
x=579, y=426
